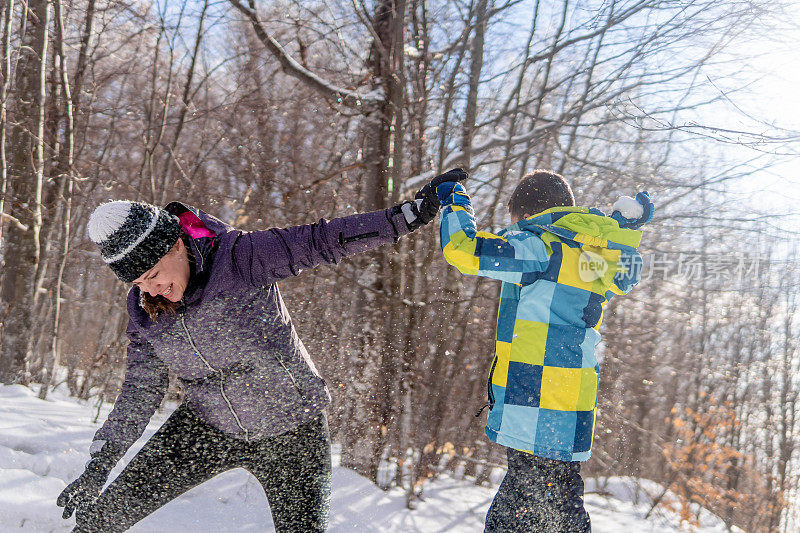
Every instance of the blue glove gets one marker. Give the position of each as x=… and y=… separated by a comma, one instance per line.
x=441, y=187
x=648, y=209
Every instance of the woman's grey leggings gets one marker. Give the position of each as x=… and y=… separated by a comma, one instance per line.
x=293, y=468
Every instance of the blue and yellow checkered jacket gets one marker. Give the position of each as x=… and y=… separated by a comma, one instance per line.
x=559, y=268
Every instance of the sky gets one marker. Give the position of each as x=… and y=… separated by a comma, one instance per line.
x=774, y=97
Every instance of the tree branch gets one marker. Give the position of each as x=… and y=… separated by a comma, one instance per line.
x=291, y=67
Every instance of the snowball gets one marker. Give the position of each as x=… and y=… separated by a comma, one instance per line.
x=629, y=207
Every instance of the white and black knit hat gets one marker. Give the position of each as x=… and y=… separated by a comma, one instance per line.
x=132, y=236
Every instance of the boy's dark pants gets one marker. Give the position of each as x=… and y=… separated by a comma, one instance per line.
x=293, y=468
x=539, y=495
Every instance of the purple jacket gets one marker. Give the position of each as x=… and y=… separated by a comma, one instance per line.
x=233, y=345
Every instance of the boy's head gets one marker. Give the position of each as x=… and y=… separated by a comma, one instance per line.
x=538, y=191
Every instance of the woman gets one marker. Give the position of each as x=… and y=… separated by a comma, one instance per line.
x=205, y=305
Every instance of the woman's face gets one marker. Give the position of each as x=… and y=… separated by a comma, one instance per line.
x=169, y=277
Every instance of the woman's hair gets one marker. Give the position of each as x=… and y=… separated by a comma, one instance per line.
x=540, y=190
x=157, y=305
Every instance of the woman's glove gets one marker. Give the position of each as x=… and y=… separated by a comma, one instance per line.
x=428, y=199
x=633, y=213
x=87, y=487
x=441, y=187
x=416, y=212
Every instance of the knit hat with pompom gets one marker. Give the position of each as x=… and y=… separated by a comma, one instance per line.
x=132, y=236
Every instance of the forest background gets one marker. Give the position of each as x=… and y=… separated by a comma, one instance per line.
x=281, y=113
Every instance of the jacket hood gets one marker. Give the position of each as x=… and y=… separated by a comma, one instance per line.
x=202, y=228
x=210, y=222
x=583, y=225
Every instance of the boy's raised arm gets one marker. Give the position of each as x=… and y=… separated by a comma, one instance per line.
x=631, y=213
x=482, y=253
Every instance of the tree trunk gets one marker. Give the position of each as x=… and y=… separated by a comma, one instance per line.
x=5, y=64
x=476, y=66
x=64, y=200
x=24, y=195
x=363, y=441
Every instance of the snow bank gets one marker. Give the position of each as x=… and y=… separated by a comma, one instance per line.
x=44, y=445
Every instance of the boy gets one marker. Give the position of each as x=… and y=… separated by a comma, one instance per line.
x=559, y=265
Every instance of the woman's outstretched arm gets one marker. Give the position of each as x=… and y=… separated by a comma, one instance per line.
x=262, y=257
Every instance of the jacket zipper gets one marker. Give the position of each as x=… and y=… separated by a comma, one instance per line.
x=221, y=379
x=200, y=269
x=489, y=392
x=344, y=240
x=296, y=386
x=489, y=384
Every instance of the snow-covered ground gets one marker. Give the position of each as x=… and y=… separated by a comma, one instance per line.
x=43, y=446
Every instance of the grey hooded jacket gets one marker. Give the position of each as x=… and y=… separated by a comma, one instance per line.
x=232, y=343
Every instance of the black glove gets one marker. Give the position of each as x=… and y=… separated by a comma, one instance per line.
x=440, y=188
x=416, y=213
x=87, y=487
x=426, y=205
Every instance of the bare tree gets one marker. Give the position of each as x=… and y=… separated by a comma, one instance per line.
x=25, y=180
x=270, y=115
